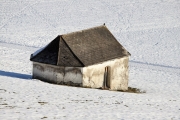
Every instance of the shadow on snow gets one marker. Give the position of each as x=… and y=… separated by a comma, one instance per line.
x=15, y=75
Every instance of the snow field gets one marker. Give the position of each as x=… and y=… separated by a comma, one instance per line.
x=148, y=29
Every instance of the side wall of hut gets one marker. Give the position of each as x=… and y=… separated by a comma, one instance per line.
x=58, y=75
x=114, y=71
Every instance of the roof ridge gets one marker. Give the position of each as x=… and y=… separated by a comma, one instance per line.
x=79, y=31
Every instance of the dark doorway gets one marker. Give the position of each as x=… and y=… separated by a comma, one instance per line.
x=106, y=83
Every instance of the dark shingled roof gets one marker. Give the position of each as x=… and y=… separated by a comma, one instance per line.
x=82, y=48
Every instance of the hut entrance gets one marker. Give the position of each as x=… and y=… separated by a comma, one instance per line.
x=106, y=83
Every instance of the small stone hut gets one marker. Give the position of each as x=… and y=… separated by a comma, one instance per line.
x=88, y=58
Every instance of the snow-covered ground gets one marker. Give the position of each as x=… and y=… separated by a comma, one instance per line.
x=148, y=29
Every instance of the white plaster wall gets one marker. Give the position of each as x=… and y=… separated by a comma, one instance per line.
x=44, y=72
x=56, y=74
x=93, y=76
x=90, y=76
x=59, y=77
x=73, y=74
x=120, y=74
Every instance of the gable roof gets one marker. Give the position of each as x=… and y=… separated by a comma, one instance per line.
x=82, y=48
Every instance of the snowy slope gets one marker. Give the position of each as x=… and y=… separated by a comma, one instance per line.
x=148, y=29
x=136, y=24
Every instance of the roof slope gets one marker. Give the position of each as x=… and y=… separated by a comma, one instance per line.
x=66, y=56
x=95, y=45
x=49, y=54
x=82, y=48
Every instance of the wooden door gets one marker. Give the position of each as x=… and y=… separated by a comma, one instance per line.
x=106, y=83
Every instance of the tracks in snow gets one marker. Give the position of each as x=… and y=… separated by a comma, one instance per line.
x=156, y=67
x=18, y=46
x=17, y=14
x=137, y=64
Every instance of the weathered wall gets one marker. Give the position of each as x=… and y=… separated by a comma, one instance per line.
x=90, y=76
x=56, y=74
x=93, y=76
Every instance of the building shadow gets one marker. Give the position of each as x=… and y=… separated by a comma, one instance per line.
x=15, y=75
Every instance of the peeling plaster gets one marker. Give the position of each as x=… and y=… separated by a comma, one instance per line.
x=90, y=76
x=93, y=76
